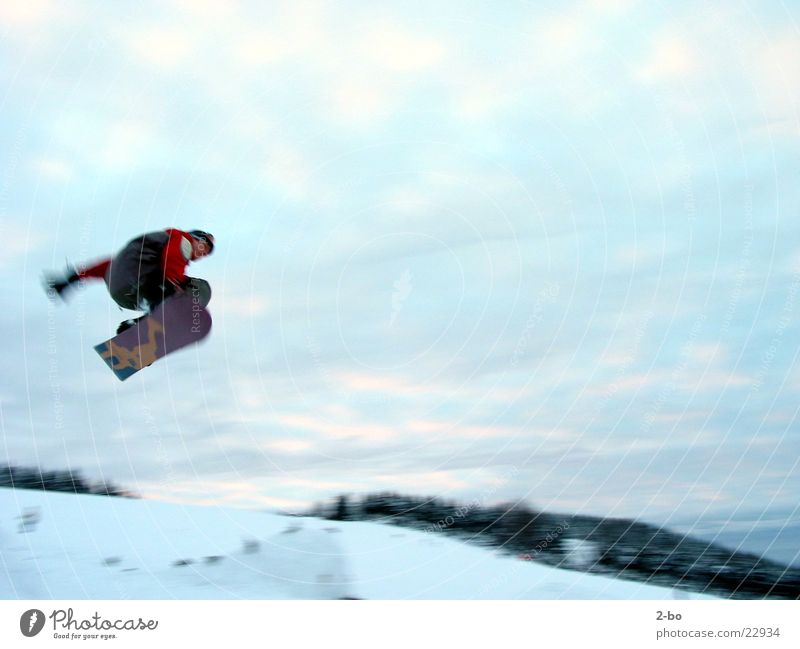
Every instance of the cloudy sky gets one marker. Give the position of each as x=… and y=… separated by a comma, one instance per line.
x=539, y=251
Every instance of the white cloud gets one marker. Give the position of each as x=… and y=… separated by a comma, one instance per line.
x=296, y=33
x=23, y=14
x=558, y=59
x=481, y=98
x=650, y=253
x=161, y=47
x=397, y=49
x=612, y=6
x=260, y=49
x=53, y=170
x=288, y=445
x=427, y=480
x=778, y=129
x=287, y=170
x=561, y=37
x=366, y=431
x=18, y=241
x=775, y=75
x=249, y=392
x=360, y=102
x=369, y=69
x=210, y=10
x=559, y=44
x=671, y=58
x=126, y=144
x=373, y=382
x=236, y=306
x=715, y=381
x=217, y=492
x=317, y=485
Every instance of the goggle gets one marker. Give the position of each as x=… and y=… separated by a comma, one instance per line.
x=206, y=239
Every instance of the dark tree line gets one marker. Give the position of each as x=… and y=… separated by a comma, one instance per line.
x=626, y=549
x=67, y=480
x=513, y=526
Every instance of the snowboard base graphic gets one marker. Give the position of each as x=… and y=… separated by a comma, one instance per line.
x=176, y=323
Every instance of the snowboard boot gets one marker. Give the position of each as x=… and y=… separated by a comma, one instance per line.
x=127, y=324
x=58, y=285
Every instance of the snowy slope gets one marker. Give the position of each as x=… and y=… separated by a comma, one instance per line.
x=66, y=546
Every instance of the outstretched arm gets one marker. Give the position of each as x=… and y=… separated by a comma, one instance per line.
x=97, y=270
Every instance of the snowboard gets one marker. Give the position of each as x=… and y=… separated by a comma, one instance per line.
x=177, y=322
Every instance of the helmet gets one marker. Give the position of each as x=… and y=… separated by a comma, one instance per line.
x=204, y=236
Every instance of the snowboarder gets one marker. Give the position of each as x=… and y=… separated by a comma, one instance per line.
x=148, y=270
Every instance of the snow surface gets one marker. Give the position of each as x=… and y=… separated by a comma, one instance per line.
x=67, y=546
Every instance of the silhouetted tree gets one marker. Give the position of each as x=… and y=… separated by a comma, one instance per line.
x=65, y=480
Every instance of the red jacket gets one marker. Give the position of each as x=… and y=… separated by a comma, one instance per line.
x=176, y=255
x=150, y=259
